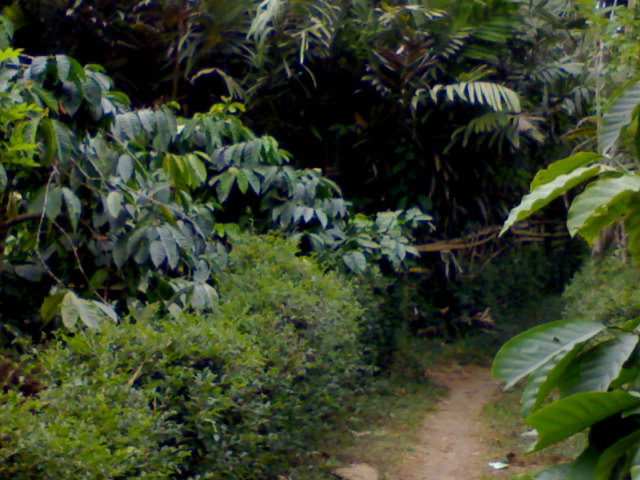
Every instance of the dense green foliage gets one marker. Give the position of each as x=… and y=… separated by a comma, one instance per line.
x=238, y=393
x=591, y=355
x=124, y=216
x=438, y=104
x=120, y=205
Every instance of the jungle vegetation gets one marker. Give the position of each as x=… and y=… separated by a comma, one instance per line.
x=217, y=215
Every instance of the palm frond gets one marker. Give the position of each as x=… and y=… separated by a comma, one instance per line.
x=496, y=96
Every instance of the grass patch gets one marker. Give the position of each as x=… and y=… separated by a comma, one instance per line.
x=381, y=428
x=509, y=441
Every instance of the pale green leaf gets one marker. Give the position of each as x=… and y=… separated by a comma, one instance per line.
x=114, y=203
x=617, y=115
x=597, y=204
x=74, y=308
x=564, y=166
x=530, y=350
x=546, y=193
x=601, y=365
x=74, y=207
x=225, y=184
x=545, y=378
x=158, y=253
x=54, y=203
x=356, y=261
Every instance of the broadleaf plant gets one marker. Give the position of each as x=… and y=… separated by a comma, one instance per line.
x=117, y=205
x=590, y=363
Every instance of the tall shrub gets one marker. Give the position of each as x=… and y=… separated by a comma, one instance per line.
x=237, y=394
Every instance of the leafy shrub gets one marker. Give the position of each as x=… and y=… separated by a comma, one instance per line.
x=613, y=291
x=237, y=394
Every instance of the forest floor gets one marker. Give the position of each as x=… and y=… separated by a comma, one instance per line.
x=472, y=425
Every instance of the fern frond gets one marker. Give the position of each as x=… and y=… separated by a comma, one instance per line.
x=498, y=97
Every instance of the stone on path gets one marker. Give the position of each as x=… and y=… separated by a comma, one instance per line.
x=357, y=471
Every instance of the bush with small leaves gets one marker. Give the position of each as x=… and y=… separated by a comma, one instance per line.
x=235, y=394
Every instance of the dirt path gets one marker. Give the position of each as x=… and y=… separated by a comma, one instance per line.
x=454, y=440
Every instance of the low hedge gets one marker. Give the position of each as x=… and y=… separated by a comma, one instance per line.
x=237, y=394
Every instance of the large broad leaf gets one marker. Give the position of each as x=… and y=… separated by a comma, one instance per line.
x=530, y=350
x=612, y=455
x=601, y=203
x=601, y=365
x=543, y=380
x=74, y=308
x=617, y=116
x=546, y=193
x=572, y=414
x=564, y=166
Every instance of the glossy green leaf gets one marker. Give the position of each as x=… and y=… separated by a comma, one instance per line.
x=530, y=350
x=546, y=193
x=598, y=367
x=544, y=379
x=564, y=166
x=596, y=206
x=573, y=414
x=617, y=115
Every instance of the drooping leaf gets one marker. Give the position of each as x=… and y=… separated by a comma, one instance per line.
x=601, y=365
x=601, y=203
x=125, y=167
x=158, y=253
x=53, y=207
x=635, y=466
x=51, y=306
x=530, y=350
x=572, y=414
x=544, y=379
x=356, y=261
x=73, y=205
x=564, y=166
x=546, y=193
x=75, y=308
x=170, y=246
x=617, y=115
x=114, y=203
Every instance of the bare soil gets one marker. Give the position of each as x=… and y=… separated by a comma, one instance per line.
x=454, y=438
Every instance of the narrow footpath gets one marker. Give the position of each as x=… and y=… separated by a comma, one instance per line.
x=453, y=440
